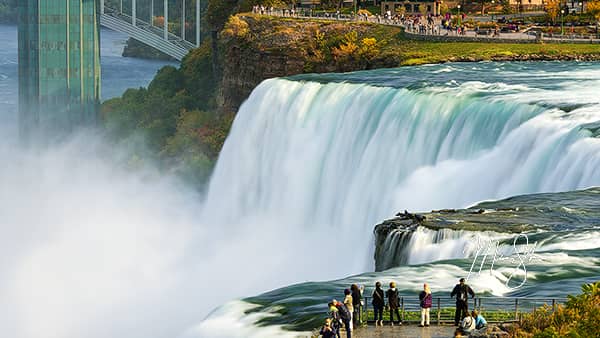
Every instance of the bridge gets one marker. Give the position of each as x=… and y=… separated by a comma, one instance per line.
x=148, y=29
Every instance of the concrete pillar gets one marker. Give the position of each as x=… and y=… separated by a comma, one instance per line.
x=198, y=23
x=151, y=12
x=101, y=6
x=121, y=7
x=166, y=22
x=183, y=21
x=134, y=12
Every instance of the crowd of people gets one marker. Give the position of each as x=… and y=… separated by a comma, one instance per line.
x=428, y=24
x=347, y=314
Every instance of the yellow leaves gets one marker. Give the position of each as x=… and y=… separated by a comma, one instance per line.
x=369, y=42
x=593, y=7
x=235, y=28
x=579, y=317
x=553, y=8
x=344, y=51
x=350, y=49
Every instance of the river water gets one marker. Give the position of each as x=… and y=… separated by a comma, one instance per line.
x=93, y=248
x=118, y=73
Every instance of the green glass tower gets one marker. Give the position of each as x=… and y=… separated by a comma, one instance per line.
x=59, y=66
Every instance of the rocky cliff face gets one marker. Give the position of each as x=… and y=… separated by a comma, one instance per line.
x=254, y=48
x=537, y=215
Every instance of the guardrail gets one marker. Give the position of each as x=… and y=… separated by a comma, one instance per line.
x=173, y=46
x=494, y=309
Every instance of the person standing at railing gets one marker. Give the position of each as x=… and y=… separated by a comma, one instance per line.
x=348, y=301
x=336, y=319
x=392, y=296
x=356, y=303
x=327, y=331
x=462, y=292
x=426, y=301
x=378, y=304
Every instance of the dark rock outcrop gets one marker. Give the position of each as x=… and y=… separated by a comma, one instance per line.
x=134, y=48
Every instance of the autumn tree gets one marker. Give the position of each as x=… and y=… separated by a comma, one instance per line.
x=400, y=10
x=593, y=8
x=553, y=8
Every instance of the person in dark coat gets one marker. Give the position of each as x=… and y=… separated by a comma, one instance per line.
x=392, y=296
x=462, y=292
x=378, y=304
x=327, y=331
x=356, y=304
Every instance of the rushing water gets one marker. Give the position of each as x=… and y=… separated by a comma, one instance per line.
x=321, y=158
x=312, y=163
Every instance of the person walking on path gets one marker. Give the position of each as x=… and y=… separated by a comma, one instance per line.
x=426, y=300
x=378, y=304
x=462, y=292
x=356, y=300
x=392, y=296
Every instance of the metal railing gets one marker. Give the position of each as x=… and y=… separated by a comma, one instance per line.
x=494, y=309
x=146, y=33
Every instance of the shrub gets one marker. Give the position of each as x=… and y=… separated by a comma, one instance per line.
x=579, y=317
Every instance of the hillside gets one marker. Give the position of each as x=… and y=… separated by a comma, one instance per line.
x=185, y=114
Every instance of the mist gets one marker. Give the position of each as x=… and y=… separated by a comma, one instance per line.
x=93, y=248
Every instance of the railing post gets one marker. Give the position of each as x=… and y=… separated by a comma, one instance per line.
x=101, y=6
x=197, y=23
x=133, y=13
x=402, y=302
x=366, y=310
x=439, y=311
x=183, y=21
x=151, y=12
x=516, y=308
x=166, y=20
x=553, y=305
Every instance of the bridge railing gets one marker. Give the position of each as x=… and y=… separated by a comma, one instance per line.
x=494, y=309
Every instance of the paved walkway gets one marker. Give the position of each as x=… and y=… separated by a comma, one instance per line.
x=405, y=331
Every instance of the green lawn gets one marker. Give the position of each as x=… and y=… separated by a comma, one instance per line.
x=446, y=314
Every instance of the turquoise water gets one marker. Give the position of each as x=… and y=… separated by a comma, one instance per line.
x=313, y=162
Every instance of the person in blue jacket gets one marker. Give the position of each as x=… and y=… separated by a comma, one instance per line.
x=480, y=322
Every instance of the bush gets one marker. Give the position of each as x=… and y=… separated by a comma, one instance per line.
x=579, y=317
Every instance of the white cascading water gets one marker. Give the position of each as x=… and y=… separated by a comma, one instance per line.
x=345, y=156
x=306, y=172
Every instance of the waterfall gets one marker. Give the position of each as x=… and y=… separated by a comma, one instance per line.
x=321, y=163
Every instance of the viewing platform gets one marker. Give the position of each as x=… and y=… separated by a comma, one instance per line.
x=443, y=331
